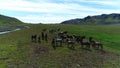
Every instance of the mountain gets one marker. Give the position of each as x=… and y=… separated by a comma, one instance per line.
x=104, y=19
x=9, y=21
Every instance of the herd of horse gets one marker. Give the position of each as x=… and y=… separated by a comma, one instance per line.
x=60, y=37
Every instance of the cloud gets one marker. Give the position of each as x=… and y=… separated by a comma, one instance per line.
x=50, y=11
x=46, y=18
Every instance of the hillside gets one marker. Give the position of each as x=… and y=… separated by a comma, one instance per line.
x=9, y=21
x=104, y=19
x=18, y=51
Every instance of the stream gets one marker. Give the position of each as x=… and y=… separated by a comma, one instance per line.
x=8, y=31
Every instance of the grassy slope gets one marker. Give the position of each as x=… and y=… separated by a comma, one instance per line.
x=9, y=21
x=16, y=50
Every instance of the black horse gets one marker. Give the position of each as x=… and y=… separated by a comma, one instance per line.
x=62, y=33
x=82, y=42
x=77, y=38
x=53, y=43
x=39, y=39
x=43, y=35
x=46, y=37
x=34, y=38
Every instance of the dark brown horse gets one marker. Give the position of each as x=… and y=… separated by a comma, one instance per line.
x=95, y=44
x=77, y=38
x=69, y=42
x=82, y=42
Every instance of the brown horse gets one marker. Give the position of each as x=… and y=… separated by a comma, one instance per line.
x=95, y=44
x=69, y=42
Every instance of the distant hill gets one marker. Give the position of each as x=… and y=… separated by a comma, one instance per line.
x=8, y=21
x=104, y=19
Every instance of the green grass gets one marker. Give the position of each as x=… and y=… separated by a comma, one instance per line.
x=22, y=53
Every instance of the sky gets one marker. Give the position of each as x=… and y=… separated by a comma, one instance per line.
x=56, y=11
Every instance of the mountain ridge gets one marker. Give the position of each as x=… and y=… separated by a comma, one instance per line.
x=104, y=19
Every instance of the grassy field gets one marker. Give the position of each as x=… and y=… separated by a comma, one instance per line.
x=17, y=50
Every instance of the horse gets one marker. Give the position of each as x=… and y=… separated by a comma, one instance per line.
x=34, y=38
x=87, y=44
x=39, y=39
x=95, y=43
x=53, y=43
x=62, y=33
x=77, y=38
x=57, y=41
x=69, y=36
x=46, y=37
x=43, y=35
x=63, y=38
x=69, y=42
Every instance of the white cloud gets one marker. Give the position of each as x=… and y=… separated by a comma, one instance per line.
x=105, y=2
x=48, y=18
x=67, y=10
